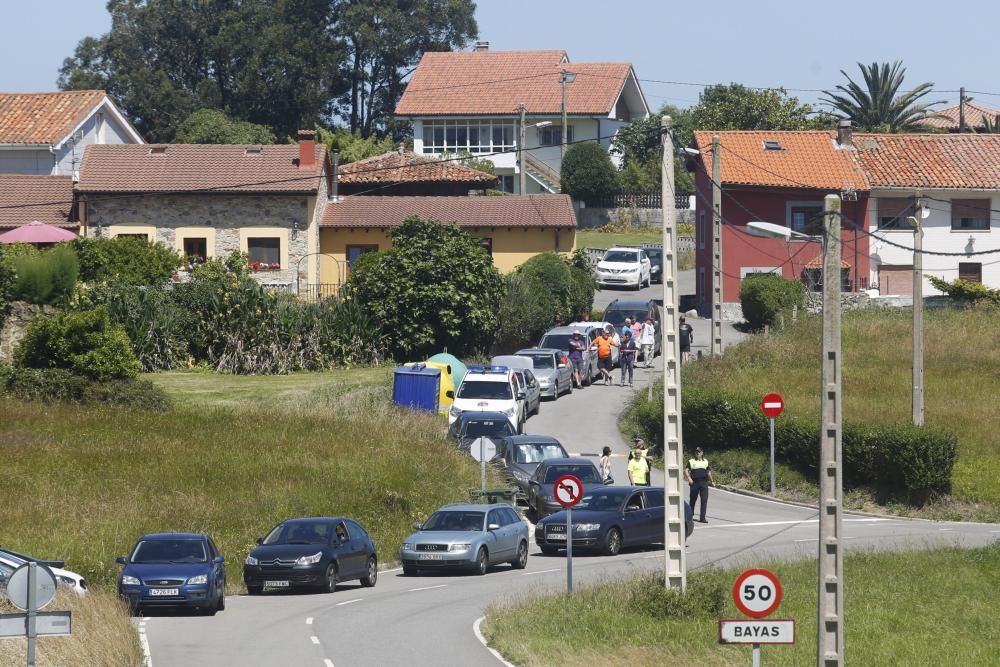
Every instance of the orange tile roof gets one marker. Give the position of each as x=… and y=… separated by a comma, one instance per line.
x=23, y=199
x=187, y=167
x=44, y=118
x=409, y=167
x=807, y=159
x=932, y=161
x=817, y=263
x=496, y=82
x=483, y=211
x=974, y=114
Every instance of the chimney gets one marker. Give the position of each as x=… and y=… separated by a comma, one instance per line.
x=307, y=149
x=482, y=46
x=845, y=135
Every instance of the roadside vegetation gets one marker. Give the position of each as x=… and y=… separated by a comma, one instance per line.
x=636, y=621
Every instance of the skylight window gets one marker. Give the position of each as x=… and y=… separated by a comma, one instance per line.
x=772, y=145
x=157, y=150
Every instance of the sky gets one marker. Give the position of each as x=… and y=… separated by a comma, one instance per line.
x=766, y=43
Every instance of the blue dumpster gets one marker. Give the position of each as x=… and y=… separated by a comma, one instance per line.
x=417, y=387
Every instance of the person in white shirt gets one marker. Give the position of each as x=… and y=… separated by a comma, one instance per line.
x=647, y=340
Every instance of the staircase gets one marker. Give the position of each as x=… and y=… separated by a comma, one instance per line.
x=543, y=174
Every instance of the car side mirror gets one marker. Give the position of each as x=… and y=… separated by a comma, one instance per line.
x=260, y=540
x=593, y=348
x=521, y=395
x=449, y=394
x=418, y=526
x=121, y=560
x=493, y=526
x=220, y=560
x=632, y=508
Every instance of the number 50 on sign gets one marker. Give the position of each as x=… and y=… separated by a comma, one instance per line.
x=757, y=593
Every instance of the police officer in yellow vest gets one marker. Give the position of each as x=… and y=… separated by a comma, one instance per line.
x=699, y=476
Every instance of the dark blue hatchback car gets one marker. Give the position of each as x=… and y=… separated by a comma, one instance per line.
x=174, y=570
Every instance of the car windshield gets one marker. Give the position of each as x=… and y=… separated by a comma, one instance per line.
x=491, y=428
x=536, y=452
x=496, y=391
x=455, y=520
x=170, y=551
x=557, y=341
x=629, y=257
x=585, y=473
x=617, y=317
x=655, y=256
x=300, y=532
x=6, y=570
x=541, y=360
x=601, y=502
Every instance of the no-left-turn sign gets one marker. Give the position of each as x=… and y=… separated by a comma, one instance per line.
x=568, y=490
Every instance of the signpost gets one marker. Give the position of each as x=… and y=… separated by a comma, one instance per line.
x=483, y=451
x=568, y=490
x=757, y=593
x=31, y=587
x=772, y=405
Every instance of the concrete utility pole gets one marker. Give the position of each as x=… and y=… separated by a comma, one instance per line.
x=675, y=565
x=522, y=175
x=716, y=247
x=564, y=78
x=830, y=622
x=961, y=109
x=918, y=318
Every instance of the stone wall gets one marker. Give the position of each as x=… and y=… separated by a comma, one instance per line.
x=848, y=301
x=19, y=316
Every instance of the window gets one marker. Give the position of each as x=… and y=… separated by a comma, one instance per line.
x=505, y=183
x=196, y=248
x=144, y=237
x=474, y=136
x=702, y=232
x=487, y=244
x=551, y=135
x=970, y=272
x=892, y=213
x=772, y=145
x=265, y=252
x=805, y=217
x=970, y=215
x=354, y=252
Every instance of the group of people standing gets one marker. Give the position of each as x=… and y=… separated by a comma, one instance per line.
x=630, y=340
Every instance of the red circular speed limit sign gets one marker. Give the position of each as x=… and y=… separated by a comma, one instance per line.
x=757, y=593
x=772, y=405
x=568, y=490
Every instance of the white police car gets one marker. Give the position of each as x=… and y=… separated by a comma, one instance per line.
x=489, y=389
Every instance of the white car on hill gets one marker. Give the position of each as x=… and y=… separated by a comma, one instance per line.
x=624, y=267
x=490, y=389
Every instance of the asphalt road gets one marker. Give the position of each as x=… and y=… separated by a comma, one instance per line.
x=429, y=620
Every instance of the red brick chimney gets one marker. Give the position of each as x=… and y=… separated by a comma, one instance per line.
x=307, y=149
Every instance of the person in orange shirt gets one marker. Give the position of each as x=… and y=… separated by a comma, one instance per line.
x=604, y=343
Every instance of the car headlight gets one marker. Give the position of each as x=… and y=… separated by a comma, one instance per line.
x=454, y=411
x=198, y=579
x=250, y=560
x=459, y=547
x=309, y=560
x=519, y=475
x=409, y=546
x=511, y=411
x=66, y=581
x=128, y=580
x=586, y=527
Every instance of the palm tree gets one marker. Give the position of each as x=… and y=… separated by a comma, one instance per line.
x=880, y=106
x=990, y=127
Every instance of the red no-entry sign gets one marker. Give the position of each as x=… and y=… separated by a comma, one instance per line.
x=772, y=405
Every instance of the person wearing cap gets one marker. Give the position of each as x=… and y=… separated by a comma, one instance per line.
x=699, y=476
x=647, y=340
x=638, y=464
x=577, y=346
x=628, y=353
x=686, y=335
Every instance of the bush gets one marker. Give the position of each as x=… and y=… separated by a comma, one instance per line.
x=6, y=285
x=84, y=342
x=765, y=296
x=523, y=316
x=59, y=385
x=47, y=277
x=706, y=596
x=964, y=291
x=898, y=461
x=565, y=290
x=588, y=173
x=126, y=259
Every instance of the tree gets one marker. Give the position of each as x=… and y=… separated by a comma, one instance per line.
x=565, y=292
x=880, y=106
x=737, y=107
x=384, y=40
x=126, y=260
x=271, y=63
x=352, y=146
x=638, y=147
x=990, y=126
x=435, y=287
x=588, y=173
x=211, y=126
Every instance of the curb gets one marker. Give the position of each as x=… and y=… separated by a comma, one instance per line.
x=482, y=640
x=764, y=496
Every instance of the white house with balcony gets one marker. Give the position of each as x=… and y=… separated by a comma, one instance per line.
x=956, y=178
x=471, y=102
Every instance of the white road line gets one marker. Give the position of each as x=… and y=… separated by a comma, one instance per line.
x=398, y=569
x=314, y=639
x=309, y=621
x=995, y=531
x=946, y=530
x=781, y=523
x=341, y=604
x=427, y=588
x=816, y=539
x=327, y=662
x=482, y=640
x=528, y=574
x=147, y=657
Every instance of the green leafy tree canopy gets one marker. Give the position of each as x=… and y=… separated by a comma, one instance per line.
x=352, y=145
x=880, y=105
x=211, y=126
x=128, y=260
x=588, y=173
x=737, y=107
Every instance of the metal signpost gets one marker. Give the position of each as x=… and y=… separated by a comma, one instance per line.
x=486, y=450
x=32, y=587
x=772, y=405
x=568, y=490
x=757, y=593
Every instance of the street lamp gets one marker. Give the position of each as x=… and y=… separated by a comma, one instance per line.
x=522, y=177
x=830, y=619
x=564, y=78
x=918, y=313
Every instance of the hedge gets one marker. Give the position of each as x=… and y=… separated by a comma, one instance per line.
x=900, y=462
x=60, y=385
x=766, y=297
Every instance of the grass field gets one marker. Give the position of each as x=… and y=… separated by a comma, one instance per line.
x=888, y=620
x=962, y=382
x=589, y=238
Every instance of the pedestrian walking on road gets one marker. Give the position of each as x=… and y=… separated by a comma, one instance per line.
x=636, y=330
x=638, y=465
x=686, y=334
x=627, y=326
x=647, y=339
x=605, y=466
x=699, y=476
x=604, y=343
x=628, y=354
x=577, y=346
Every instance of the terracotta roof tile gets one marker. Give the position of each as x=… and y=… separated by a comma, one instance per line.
x=23, y=199
x=186, y=167
x=409, y=167
x=974, y=114
x=808, y=159
x=499, y=211
x=44, y=118
x=496, y=82
x=932, y=161
x=817, y=263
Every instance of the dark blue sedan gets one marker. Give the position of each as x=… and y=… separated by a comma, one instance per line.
x=174, y=570
x=608, y=519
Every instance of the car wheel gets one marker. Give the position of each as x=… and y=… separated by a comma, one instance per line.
x=588, y=376
x=255, y=590
x=613, y=542
x=521, y=560
x=409, y=570
x=482, y=562
x=330, y=583
x=688, y=527
x=220, y=604
x=369, y=579
x=550, y=551
x=569, y=388
x=211, y=609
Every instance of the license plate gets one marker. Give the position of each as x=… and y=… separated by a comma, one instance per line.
x=157, y=592
x=276, y=584
x=431, y=556
x=557, y=536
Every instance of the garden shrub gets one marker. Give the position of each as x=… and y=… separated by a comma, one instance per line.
x=84, y=342
x=45, y=278
x=6, y=285
x=567, y=291
x=706, y=596
x=57, y=384
x=966, y=292
x=126, y=259
x=588, y=173
x=524, y=315
x=766, y=296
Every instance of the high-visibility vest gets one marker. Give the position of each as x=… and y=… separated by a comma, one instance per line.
x=699, y=469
